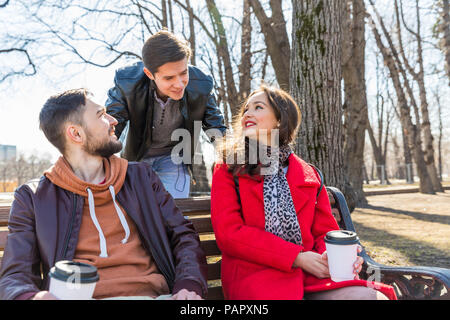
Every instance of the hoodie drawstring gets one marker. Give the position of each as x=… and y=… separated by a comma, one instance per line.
x=123, y=221
x=103, y=252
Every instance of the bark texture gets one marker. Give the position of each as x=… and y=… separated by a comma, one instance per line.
x=315, y=81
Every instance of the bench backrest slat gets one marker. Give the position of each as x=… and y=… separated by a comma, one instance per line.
x=4, y=215
x=3, y=236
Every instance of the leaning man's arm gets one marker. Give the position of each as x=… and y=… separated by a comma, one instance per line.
x=117, y=107
x=213, y=118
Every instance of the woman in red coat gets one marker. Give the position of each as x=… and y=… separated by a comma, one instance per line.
x=271, y=234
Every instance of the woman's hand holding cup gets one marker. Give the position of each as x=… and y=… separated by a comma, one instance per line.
x=313, y=263
x=317, y=264
x=358, y=264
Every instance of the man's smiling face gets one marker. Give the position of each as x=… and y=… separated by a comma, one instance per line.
x=171, y=79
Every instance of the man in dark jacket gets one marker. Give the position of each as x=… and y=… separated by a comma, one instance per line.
x=93, y=207
x=157, y=98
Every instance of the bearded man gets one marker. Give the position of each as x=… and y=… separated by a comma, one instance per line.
x=96, y=208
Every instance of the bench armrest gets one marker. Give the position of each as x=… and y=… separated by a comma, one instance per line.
x=410, y=283
x=416, y=282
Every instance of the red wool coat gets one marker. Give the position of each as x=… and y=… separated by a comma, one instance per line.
x=257, y=264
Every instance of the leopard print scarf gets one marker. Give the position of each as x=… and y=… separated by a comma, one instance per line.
x=280, y=215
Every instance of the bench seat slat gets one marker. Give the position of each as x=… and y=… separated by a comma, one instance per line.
x=215, y=293
x=214, y=271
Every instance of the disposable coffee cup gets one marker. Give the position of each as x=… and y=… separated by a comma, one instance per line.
x=342, y=251
x=70, y=280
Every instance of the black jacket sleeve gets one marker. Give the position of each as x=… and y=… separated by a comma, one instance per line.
x=116, y=106
x=213, y=119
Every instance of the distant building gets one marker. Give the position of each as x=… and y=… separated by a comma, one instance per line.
x=7, y=152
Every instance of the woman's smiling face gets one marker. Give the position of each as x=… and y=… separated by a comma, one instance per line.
x=258, y=118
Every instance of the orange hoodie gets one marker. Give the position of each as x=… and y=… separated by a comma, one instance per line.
x=108, y=238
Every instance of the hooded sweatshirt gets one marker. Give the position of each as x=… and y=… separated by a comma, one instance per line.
x=108, y=238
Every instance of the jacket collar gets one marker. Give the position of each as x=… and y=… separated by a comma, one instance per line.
x=299, y=176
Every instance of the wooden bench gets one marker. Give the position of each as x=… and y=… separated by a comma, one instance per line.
x=409, y=282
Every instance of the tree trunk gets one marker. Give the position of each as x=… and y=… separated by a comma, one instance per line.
x=366, y=176
x=245, y=67
x=315, y=81
x=441, y=128
x=377, y=153
x=408, y=158
x=399, y=169
x=224, y=53
x=171, y=15
x=276, y=39
x=201, y=186
x=356, y=118
x=191, y=32
x=446, y=40
x=419, y=77
x=164, y=14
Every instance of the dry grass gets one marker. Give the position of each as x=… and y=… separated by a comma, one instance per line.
x=406, y=229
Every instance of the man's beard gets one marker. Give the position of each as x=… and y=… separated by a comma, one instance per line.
x=105, y=149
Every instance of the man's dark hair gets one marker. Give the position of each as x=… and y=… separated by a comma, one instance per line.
x=59, y=109
x=163, y=47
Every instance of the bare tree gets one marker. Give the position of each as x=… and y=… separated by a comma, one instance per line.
x=276, y=39
x=245, y=77
x=379, y=141
x=28, y=69
x=19, y=47
x=412, y=131
x=191, y=31
x=441, y=129
x=419, y=77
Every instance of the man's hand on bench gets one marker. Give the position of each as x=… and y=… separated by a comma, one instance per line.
x=184, y=294
x=44, y=295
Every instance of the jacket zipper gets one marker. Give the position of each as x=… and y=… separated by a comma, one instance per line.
x=69, y=233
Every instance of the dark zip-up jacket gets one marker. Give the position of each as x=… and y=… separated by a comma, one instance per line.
x=45, y=220
x=132, y=99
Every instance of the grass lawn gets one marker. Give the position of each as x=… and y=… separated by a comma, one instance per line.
x=406, y=229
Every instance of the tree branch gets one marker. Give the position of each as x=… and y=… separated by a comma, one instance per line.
x=30, y=63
